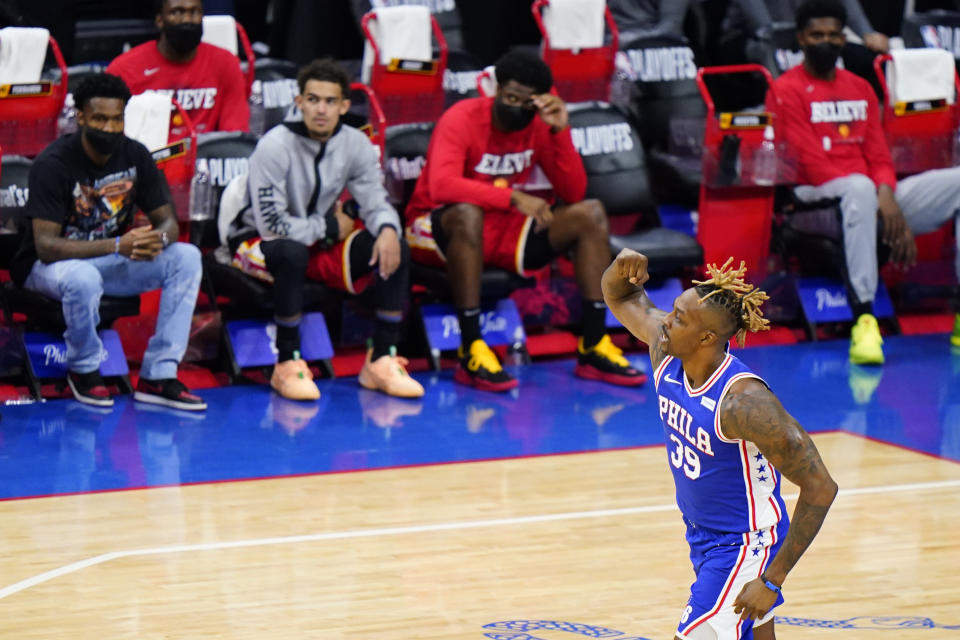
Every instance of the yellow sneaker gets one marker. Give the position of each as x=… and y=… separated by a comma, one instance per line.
x=389, y=374
x=604, y=361
x=865, y=341
x=955, y=336
x=292, y=380
x=480, y=368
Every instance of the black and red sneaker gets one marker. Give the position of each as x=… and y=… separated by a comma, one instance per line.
x=169, y=392
x=604, y=361
x=89, y=388
x=481, y=369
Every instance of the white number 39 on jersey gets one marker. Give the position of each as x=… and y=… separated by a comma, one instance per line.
x=683, y=457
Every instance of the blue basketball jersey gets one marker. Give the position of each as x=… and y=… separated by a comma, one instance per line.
x=722, y=484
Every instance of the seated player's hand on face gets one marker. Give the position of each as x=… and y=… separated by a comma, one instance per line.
x=632, y=266
x=754, y=600
x=345, y=222
x=877, y=42
x=536, y=208
x=386, y=252
x=141, y=243
x=552, y=110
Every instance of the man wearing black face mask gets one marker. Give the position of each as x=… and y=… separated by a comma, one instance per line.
x=205, y=80
x=80, y=244
x=468, y=211
x=831, y=120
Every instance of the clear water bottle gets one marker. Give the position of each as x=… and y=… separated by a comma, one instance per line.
x=258, y=114
x=765, y=160
x=67, y=121
x=201, y=193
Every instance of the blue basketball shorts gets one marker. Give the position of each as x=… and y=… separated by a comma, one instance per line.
x=723, y=564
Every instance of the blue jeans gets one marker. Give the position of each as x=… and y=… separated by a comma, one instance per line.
x=79, y=284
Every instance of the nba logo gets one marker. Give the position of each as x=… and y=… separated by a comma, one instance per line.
x=930, y=36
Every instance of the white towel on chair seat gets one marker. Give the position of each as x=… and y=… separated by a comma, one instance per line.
x=22, y=52
x=921, y=74
x=220, y=31
x=487, y=82
x=400, y=33
x=574, y=24
x=147, y=119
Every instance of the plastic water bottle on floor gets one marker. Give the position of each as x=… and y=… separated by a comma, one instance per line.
x=765, y=160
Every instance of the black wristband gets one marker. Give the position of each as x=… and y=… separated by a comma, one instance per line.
x=332, y=234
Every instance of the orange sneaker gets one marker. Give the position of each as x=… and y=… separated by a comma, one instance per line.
x=389, y=374
x=292, y=380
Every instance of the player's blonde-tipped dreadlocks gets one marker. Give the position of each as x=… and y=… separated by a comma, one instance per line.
x=728, y=290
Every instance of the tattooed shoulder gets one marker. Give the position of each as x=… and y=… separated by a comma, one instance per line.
x=754, y=414
x=750, y=410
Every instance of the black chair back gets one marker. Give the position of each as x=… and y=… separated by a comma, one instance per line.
x=406, y=154
x=656, y=85
x=220, y=158
x=100, y=41
x=613, y=158
x=274, y=88
x=14, y=192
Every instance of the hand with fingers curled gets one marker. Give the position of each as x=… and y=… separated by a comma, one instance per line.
x=553, y=111
x=896, y=233
x=533, y=206
x=755, y=600
x=386, y=252
x=632, y=266
x=141, y=243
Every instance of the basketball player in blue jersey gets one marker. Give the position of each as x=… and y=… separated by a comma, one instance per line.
x=728, y=440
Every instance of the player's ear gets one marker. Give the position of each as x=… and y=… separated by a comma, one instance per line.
x=708, y=337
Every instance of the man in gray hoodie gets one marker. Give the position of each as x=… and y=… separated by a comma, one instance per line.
x=296, y=228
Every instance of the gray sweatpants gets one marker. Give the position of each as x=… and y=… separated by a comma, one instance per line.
x=927, y=200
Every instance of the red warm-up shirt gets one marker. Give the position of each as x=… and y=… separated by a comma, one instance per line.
x=471, y=161
x=832, y=126
x=210, y=88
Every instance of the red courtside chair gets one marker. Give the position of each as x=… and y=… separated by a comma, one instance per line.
x=579, y=74
x=29, y=110
x=232, y=46
x=407, y=90
x=922, y=135
x=375, y=125
x=735, y=216
x=178, y=161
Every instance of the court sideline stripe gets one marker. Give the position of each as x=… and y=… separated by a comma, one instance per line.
x=392, y=531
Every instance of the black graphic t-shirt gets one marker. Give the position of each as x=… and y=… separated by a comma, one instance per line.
x=89, y=201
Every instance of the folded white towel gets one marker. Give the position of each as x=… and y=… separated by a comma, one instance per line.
x=402, y=32
x=487, y=82
x=574, y=24
x=921, y=74
x=220, y=31
x=22, y=51
x=147, y=119
x=232, y=201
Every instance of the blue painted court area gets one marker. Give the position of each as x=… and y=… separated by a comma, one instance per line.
x=248, y=432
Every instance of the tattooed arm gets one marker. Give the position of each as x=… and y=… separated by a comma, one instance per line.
x=751, y=412
x=623, y=292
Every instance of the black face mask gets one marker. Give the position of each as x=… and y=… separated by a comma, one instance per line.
x=822, y=57
x=103, y=142
x=184, y=37
x=513, y=118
